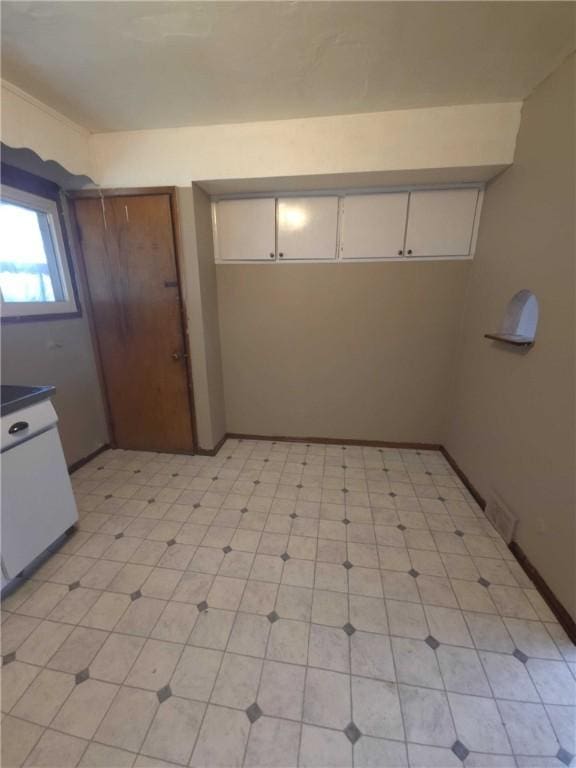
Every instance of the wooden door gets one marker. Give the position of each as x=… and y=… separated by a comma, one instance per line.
x=307, y=228
x=373, y=226
x=129, y=255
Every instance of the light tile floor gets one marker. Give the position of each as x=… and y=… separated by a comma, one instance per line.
x=279, y=605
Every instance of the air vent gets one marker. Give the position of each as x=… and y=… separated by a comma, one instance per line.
x=501, y=518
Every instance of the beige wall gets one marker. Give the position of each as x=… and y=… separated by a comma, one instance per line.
x=359, y=351
x=60, y=352
x=512, y=419
x=211, y=322
x=199, y=288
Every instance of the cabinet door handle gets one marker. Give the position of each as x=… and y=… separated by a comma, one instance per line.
x=271, y=255
x=400, y=253
x=409, y=251
x=18, y=426
x=281, y=255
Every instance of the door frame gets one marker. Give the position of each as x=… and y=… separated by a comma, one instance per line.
x=98, y=194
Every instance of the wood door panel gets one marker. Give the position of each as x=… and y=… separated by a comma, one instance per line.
x=130, y=263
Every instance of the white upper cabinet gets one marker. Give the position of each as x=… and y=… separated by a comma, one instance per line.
x=373, y=226
x=441, y=222
x=307, y=228
x=244, y=230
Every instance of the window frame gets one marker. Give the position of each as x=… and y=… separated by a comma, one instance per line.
x=27, y=190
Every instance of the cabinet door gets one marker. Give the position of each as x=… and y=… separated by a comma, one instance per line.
x=373, y=226
x=441, y=222
x=307, y=228
x=245, y=230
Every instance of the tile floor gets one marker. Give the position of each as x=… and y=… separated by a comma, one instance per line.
x=280, y=605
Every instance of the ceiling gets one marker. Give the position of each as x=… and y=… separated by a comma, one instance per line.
x=133, y=65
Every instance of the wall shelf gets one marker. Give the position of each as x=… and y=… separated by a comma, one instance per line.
x=510, y=338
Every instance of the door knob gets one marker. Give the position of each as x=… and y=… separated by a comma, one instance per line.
x=178, y=356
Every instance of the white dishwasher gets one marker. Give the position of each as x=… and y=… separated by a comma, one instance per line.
x=38, y=505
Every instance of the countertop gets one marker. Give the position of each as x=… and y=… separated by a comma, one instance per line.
x=14, y=397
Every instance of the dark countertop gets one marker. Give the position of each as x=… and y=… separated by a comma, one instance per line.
x=14, y=397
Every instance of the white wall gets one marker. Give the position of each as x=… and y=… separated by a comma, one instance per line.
x=442, y=137
x=403, y=140
x=27, y=122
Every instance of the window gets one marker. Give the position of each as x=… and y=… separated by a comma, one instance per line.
x=35, y=278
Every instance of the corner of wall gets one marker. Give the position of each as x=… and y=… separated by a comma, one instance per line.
x=199, y=290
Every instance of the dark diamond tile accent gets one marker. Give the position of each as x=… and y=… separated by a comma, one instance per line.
x=151, y=501
x=197, y=505
x=8, y=658
x=99, y=468
x=244, y=510
x=346, y=521
x=136, y=595
x=256, y=482
x=304, y=463
x=203, y=606
x=164, y=693
x=266, y=461
x=343, y=447
x=226, y=549
x=459, y=533
x=392, y=494
x=348, y=628
x=272, y=617
x=215, y=477
x=228, y=458
x=81, y=676
x=347, y=564
x=344, y=490
x=428, y=472
x=353, y=733
x=460, y=750
x=414, y=573
x=564, y=756
x=343, y=466
x=171, y=542
x=299, y=486
x=293, y=515
x=254, y=712
x=285, y=556
x=401, y=527
x=385, y=469
x=74, y=585
x=520, y=655
x=119, y=535
x=432, y=642
x=108, y=496
x=484, y=582
x=175, y=474
x=441, y=498
x=137, y=471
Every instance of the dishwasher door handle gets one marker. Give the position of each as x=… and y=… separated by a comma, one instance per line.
x=18, y=426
